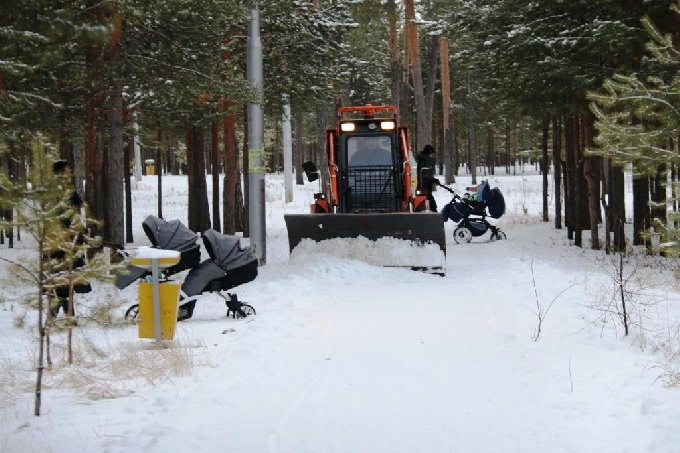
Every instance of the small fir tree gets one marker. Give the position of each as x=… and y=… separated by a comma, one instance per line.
x=42, y=203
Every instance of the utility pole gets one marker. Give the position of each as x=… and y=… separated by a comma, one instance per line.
x=136, y=149
x=256, y=157
x=287, y=133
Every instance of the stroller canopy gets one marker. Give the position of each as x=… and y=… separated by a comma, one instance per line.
x=169, y=235
x=226, y=250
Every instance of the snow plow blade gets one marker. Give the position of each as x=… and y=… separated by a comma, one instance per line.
x=419, y=228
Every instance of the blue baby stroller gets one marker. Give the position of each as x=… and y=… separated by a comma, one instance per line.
x=470, y=212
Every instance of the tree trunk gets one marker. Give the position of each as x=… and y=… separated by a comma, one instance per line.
x=617, y=207
x=471, y=125
x=127, y=174
x=605, y=201
x=215, y=167
x=423, y=127
x=557, y=170
x=94, y=81
x=449, y=150
x=41, y=330
x=544, y=165
x=298, y=147
x=674, y=182
x=394, y=52
x=11, y=167
x=93, y=158
x=115, y=203
x=246, y=179
x=658, y=211
x=490, y=147
x=591, y=166
x=321, y=125
x=580, y=201
x=641, y=213
x=198, y=207
x=230, y=171
x=159, y=171
x=113, y=218
x=433, y=57
x=569, y=177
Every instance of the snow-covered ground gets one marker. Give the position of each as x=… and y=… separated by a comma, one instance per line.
x=345, y=356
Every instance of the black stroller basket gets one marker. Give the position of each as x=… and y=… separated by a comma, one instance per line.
x=166, y=235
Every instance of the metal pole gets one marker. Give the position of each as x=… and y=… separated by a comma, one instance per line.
x=287, y=133
x=156, y=301
x=256, y=157
x=137, y=150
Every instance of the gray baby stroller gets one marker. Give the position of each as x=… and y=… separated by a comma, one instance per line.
x=229, y=266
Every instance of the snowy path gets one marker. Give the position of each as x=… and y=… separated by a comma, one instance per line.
x=344, y=357
x=344, y=363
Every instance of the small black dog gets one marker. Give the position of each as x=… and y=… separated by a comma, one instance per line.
x=238, y=309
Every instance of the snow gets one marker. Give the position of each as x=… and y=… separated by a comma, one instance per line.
x=347, y=356
x=150, y=253
x=386, y=251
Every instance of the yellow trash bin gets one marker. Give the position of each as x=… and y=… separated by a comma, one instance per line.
x=169, y=305
x=150, y=167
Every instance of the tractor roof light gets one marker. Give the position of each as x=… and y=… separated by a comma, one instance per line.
x=387, y=125
x=347, y=127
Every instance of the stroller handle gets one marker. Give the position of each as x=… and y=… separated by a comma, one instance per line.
x=448, y=189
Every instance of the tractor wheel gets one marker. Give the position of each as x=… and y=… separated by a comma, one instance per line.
x=462, y=235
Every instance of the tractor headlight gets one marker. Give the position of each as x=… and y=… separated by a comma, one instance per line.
x=387, y=125
x=347, y=127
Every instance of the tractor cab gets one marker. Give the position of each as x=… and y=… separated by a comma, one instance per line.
x=369, y=159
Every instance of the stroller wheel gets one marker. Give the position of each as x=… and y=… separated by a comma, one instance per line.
x=462, y=235
x=499, y=236
x=240, y=311
x=132, y=312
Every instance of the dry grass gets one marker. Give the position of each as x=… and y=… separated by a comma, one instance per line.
x=669, y=348
x=113, y=370
x=670, y=375
x=15, y=379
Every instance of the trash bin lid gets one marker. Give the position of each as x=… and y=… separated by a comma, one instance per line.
x=145, y=254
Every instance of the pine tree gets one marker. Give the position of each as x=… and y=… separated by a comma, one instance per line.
x=42, y=205
x=638, y=120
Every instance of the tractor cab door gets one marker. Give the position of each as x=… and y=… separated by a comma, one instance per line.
x=370, y=179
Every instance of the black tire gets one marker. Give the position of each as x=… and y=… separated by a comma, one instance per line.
x=462, y=235
x=242, y=311
x=248, y=309
x=499, y=236
x=132, y=312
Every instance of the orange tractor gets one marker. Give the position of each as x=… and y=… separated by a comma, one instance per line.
x=370, y=188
